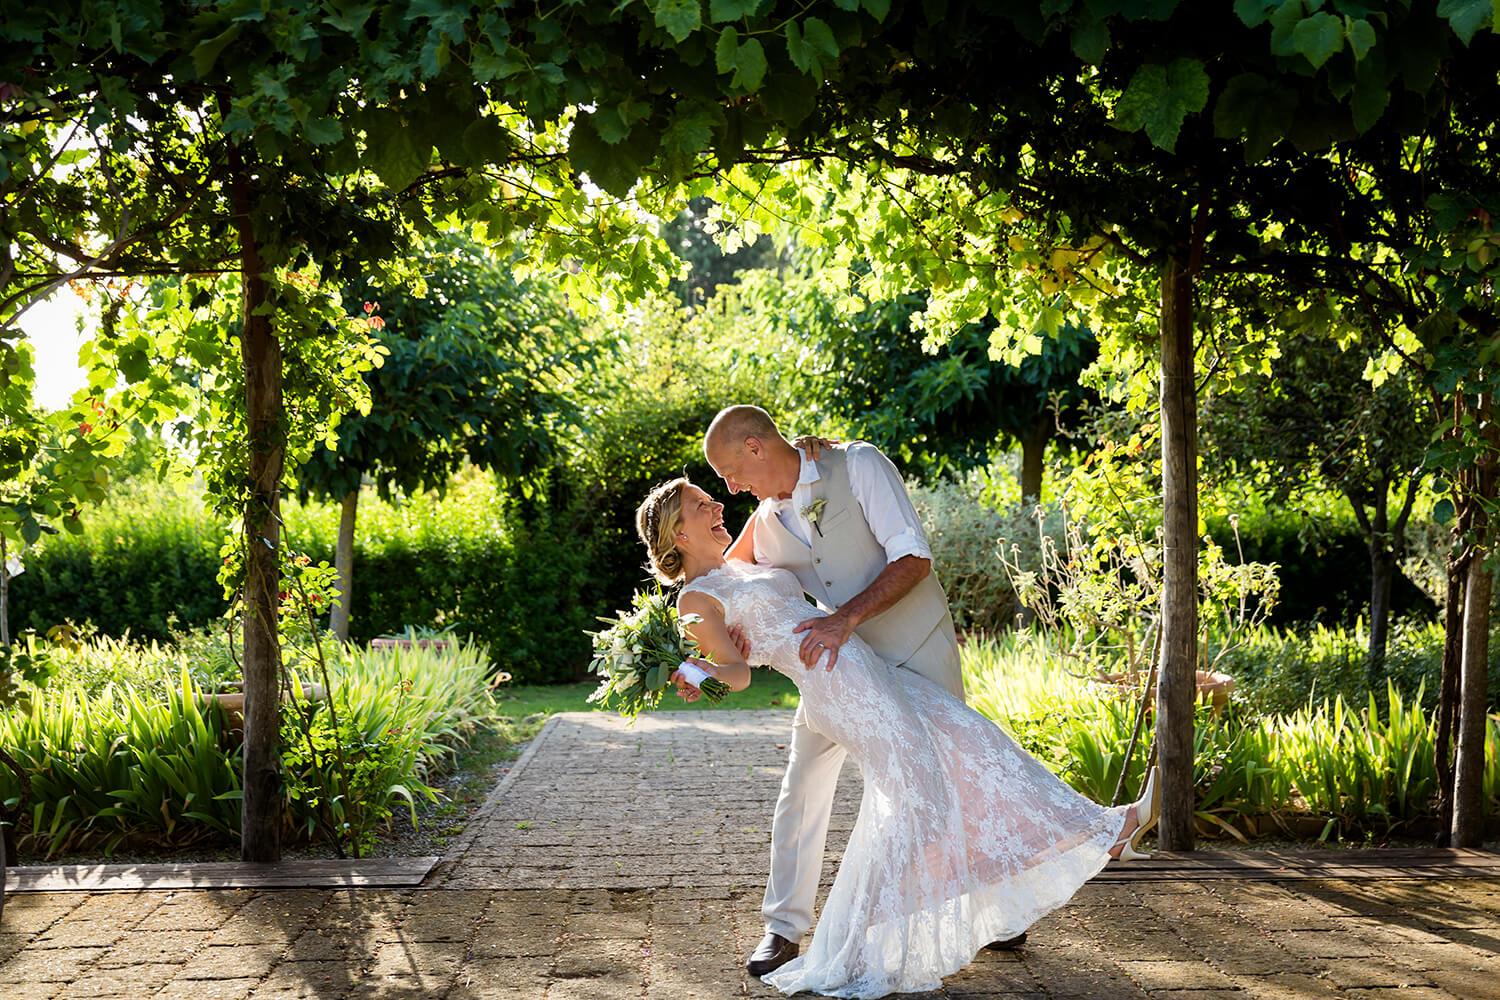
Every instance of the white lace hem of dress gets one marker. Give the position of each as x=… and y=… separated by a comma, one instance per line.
x=959, y=928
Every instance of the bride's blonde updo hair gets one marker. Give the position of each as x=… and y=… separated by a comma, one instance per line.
x=656, y=521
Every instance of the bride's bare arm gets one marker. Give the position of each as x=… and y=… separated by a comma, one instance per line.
x=713, y=638
x=742, y=549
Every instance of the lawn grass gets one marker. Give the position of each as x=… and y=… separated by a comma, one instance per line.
x=768, y=690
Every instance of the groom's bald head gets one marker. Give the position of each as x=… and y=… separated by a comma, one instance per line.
x=734, y=425
x=749, y=453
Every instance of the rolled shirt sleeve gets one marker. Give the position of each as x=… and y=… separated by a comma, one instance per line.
x=881, y=494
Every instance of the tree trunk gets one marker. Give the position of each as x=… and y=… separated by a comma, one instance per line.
x=343, y=565
x=1448, y=693
x=261, y=353
x=1468, y=772
x=1382, y=571
x=4, y=592
x=1177, y=687
x=1033, y=449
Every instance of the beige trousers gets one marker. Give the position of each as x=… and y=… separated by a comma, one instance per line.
x=805, y=805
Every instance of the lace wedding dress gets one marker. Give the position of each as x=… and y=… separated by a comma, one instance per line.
x=963, y=838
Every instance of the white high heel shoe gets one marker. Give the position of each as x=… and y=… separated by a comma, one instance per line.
x=1147, y=809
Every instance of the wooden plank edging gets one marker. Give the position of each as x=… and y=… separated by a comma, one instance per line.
x=368, y=873
x=1273, y=865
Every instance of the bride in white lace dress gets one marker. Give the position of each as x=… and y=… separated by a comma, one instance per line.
x=963, y=838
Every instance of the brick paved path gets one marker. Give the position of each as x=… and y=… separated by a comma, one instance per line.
x=617, y=862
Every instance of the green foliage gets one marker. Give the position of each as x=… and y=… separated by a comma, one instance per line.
x=395, y=715
x=469, y=375
x=870, y=372
x=25, y=665
x=670, y=371
x=470, y=562
x=1353, y=765
x=692, y=236
x=51, y=464
x=1282, y=670
x=1160, y=97
x=967, y=534
x=1323, y=565
x=147, y=763
x=144, y=562
x=143, y=759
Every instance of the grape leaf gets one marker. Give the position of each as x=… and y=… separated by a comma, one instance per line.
x=1319, y=38
x=1467, y=16
x=1159, y=98
x=680, y=18
x=720, y=11
x=1361, y=36
x=1255, y=110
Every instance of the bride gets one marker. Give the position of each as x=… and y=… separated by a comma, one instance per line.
x=962, y=838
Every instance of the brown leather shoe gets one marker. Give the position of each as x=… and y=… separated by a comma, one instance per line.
x=772, y=953
x=1009, y=944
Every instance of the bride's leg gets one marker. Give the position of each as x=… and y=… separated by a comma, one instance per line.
x=1125, y=832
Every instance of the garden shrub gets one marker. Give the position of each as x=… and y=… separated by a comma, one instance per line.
x=143, y=759
x=966, y=535
x=1360, y=764
x=1282, y=670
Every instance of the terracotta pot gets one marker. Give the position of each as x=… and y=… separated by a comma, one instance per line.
x=233, y=704
x=409, y=643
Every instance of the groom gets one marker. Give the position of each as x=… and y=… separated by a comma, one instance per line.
x=843, y=523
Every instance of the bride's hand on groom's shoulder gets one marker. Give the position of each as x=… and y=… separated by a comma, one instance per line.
x=813, y=445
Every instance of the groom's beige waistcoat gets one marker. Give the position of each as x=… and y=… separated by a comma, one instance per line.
x=844, y=558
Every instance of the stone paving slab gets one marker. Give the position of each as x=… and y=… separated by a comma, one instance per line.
x=618, y=862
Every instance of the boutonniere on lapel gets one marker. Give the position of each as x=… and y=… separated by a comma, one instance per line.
x=813, y=511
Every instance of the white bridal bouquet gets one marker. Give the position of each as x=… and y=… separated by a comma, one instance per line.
x=637, y=655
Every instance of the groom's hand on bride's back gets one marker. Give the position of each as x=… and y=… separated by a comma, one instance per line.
x=741, y=643
x=813, y=446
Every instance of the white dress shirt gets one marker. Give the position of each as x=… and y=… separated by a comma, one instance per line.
x=881, y=495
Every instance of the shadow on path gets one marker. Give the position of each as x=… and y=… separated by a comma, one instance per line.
x=628, y=862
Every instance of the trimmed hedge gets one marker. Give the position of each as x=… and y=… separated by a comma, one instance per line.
x=467, y=562
x=147, y=558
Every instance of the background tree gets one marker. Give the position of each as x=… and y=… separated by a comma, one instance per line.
x=471, y=374
x=1316, y=420
x=933, y=410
